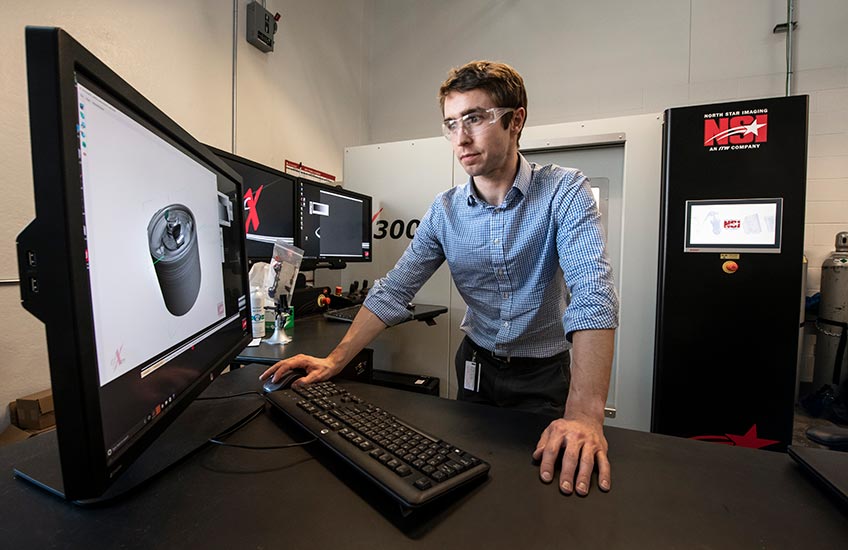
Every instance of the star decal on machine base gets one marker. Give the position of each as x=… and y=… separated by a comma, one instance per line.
x=749, y=440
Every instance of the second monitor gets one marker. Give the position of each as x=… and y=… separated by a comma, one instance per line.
x=333, y=225
x=269, y=206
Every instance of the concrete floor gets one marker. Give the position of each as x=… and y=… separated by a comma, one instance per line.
x=803, y=421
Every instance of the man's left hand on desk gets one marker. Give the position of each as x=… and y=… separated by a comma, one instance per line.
x=584, y=443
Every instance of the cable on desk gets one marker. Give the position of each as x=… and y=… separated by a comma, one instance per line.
x=229, y=396
x=263, y=447
x=253, y=416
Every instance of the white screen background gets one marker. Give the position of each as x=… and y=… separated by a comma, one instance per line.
x=716, y=224
x=129, y=174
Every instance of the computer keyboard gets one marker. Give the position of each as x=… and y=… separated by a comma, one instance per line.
x=345, y=314
x=412, y=466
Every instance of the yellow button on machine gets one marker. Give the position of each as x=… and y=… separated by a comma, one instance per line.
x=730, y=267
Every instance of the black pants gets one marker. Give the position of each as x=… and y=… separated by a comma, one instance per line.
x=526, y=384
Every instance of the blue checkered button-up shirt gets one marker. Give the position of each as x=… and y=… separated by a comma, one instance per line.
x=514, y=263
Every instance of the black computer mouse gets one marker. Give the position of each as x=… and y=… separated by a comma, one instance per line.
x=284, y=382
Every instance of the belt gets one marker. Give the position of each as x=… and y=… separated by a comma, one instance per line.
x=509, y=360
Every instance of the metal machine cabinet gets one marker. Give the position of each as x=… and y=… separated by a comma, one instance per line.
x=730, y=271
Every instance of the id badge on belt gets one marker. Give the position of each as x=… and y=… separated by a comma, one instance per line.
x=472, y=374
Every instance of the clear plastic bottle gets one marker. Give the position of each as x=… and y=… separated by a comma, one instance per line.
x=257, y=312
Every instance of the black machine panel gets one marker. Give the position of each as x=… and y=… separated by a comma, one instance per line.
x=734, y=177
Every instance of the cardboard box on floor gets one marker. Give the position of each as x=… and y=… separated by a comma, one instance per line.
x=13, y=433
x=35, y=412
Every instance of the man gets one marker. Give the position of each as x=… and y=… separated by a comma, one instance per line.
x=517, y=238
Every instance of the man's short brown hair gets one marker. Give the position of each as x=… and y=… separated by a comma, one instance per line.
x=503, y=84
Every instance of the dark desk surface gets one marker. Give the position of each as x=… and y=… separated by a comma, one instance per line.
x=667, y=493
x=313, y=335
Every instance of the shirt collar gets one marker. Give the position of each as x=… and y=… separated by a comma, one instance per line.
x=524, y=175
x=521, y=183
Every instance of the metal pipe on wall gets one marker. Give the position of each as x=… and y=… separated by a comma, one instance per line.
x=235, y=73
x=790, y=7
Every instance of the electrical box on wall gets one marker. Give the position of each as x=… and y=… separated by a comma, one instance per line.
x=261, y=26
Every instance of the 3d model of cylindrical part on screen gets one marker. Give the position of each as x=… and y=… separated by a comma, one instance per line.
x=172, y=235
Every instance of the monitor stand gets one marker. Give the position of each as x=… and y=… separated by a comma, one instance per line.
x=191, y=431
x=312, y=265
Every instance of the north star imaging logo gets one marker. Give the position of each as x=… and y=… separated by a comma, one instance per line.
x=734, y=130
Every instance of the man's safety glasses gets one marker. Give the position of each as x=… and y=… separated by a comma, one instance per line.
x=473, y=123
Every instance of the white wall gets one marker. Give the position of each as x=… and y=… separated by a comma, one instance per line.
x=588, y=60
x=306, y=101
x=303, y=102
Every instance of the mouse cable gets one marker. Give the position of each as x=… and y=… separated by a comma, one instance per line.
x=241, y=423
x=229, y=396
x=217, y=439
x=263, y=447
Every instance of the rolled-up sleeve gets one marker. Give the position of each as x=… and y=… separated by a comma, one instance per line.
x=584, y=262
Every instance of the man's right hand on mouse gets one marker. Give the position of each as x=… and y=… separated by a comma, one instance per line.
x=317, y=369
x=365, y=327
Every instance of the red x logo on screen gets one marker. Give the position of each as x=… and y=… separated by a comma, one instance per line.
x=250, y=201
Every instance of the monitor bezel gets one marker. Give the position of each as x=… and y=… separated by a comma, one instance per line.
x=308, y=260
x=63, y=301
x=258, y=166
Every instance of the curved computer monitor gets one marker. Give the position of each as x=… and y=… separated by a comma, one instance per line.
x=135, y=261
x=333, y=225
x=268, y=205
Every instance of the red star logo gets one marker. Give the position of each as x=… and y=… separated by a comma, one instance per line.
x=749, y=440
